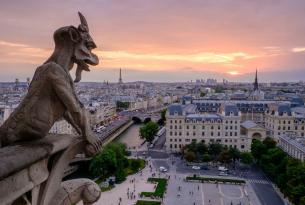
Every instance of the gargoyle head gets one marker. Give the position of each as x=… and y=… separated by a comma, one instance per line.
x=79, y=42
x=84, y=44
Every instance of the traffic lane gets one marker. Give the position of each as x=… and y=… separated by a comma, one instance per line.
x=266, y=194
x=160, y=142
x=157, y=154
x=161, y=163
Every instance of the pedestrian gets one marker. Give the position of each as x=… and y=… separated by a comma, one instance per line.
x=198, y=187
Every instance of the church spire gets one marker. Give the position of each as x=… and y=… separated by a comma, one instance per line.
x=256, y=81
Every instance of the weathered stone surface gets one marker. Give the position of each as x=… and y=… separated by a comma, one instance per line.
x=23, y=181
x=75, y=190
x=51, y=95
x=18, y=157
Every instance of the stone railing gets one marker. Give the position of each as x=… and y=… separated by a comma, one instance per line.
x=31, y=173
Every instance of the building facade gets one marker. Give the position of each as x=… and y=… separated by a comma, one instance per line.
x=293, y=145
x=282, y=120
x=61, y=127
x=185, y=125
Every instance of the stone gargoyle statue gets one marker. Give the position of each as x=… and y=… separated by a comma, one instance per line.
x=51, y=95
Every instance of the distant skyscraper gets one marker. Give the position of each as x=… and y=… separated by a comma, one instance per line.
x=255, y=82
x=16, y=87
x=120, y=78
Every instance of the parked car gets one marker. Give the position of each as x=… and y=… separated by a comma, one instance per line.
x=162, y=169
x=222, y=169
x=196, y=167
x=205, y=167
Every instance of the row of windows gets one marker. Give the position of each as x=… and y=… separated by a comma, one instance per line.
x=285, y=127
x=203, y=127
x=180, y=146
x=212, y=121
x=288, y=128
x=203, y=134
x=280, y=133
x=204, y=141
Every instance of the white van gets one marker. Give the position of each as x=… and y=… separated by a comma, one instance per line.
x=222, y=169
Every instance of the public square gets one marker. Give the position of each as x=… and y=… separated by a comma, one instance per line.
x=178, y=191
x=258, y=189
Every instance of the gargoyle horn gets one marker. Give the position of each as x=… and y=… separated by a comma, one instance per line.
x=84, y=25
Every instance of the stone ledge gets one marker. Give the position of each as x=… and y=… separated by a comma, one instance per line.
x=20, y=156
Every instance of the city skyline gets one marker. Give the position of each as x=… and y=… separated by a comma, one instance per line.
x=163, y=41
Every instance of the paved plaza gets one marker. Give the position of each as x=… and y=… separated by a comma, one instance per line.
x=134, y=184
x=191, y=193
x=257, y=191
x=178, y=191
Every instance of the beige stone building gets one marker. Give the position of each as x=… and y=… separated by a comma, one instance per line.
x=185, y=125
x=293, y=145
x=253, y=130
x=281, y=120
x=101, y=113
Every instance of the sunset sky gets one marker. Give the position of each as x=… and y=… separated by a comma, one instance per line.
x=162, y=40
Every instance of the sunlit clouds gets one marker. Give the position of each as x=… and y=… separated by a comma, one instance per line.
x=233, y=72
x=172, y=40
x=296, y=50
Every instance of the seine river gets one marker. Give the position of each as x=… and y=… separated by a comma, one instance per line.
x=131, y=137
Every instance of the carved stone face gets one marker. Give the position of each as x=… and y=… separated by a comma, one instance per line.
x=83, y=56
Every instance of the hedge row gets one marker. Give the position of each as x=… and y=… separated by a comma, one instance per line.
x=160, y=190
x=142, y=202
x=214, y=179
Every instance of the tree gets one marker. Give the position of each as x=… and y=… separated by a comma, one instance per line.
x=160, y=122
x=147, y=120
x=269, y=143
x=206, y=158
x=258, y=149
x=219, y=89
x=191, y=147
x=302, y=200
x=201, y=148
x=110, y=161
x=246, y=158
x=124, y=105
x=202, y=94
x=234, y=153
x=190, y=156
x=148, y=131
x=225, y=157
x=215, y=149
x=163, y=114
x=288, y=173
x=104, y=163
